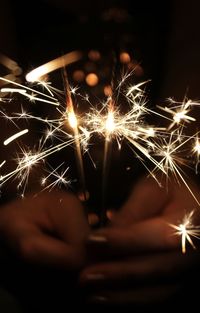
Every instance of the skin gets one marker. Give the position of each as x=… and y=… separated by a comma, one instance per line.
x=139, y=245
x=49, y=229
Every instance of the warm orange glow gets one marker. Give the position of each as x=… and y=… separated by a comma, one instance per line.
x=92, y=79
x=110, y=214
x=108, y=91
x=83, y=196
x=78, y=76
x=124, y=57
x=94, y=55
x=93, y=219
x=138, y=70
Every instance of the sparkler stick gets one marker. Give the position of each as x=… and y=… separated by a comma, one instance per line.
x=36, y=75
x=109, y=128
x=73, y=122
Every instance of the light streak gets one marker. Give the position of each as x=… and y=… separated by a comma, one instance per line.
x=12, y=90
x=15, y=136
x=33, y=92
x=2, y=163
x=60, y=62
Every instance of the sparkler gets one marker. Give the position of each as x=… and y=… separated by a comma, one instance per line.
x=162, y=146
x=73, y=122
x=109, y=128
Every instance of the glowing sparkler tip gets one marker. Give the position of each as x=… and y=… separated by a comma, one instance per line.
x=72, y=119
x=110, y=123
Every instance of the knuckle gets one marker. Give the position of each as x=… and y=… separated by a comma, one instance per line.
x=27, y=249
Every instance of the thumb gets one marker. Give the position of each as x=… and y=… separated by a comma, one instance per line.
x=146, y=200
x=68, y=218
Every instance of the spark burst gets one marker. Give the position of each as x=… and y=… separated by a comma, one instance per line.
x=187, y=230
x=163, y=146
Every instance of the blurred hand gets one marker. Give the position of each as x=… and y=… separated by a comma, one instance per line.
x=143, y=222
x=49, y=229
x=140, y=245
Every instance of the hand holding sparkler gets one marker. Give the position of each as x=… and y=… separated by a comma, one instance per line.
x=145, y=223
x=47, y=229
x=142, y=244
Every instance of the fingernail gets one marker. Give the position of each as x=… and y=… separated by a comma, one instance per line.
x=97, y=239
x=91, y=278
x=98, y=299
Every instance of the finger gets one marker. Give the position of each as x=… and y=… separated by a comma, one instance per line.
x=151, y=234
x=43, y=249
x=140, y=296
x=155, y=266
x=68, y=218
x=146, y=200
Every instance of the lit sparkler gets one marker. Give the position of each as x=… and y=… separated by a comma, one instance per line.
x=73, y=122
x=163, y=146
x=109, y=128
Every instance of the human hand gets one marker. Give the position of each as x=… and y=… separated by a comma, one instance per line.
x=144, y=221
x=140, y=245
x=48, y=229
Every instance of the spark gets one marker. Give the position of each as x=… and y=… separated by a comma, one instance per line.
x=15, y=136
x=26, y=162
x=121, y=117
x=187, y=230
x=2, y=163
x=179, y=112
x=129, y=126
x=73, y=122
x=196, y=151
x=21, y=90
x=12, y=90
x=172, y=158
x=60, y=178
x=135, y=88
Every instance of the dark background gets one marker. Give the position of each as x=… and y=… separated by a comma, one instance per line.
x=164, y=39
